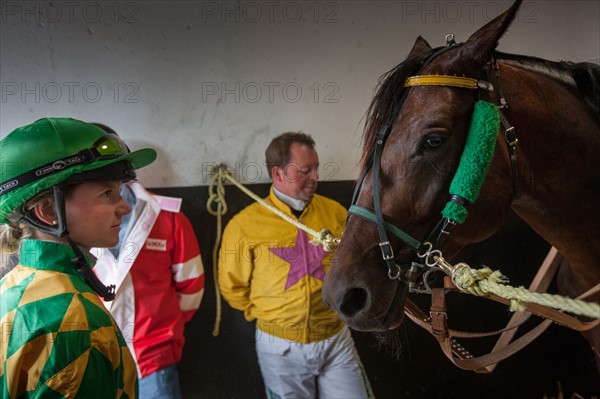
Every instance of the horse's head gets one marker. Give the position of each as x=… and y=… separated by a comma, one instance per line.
x=414, y=138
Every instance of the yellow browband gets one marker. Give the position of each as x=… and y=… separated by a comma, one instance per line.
x=446, y=80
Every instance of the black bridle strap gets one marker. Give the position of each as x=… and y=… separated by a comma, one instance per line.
x=384, y=244
x=510, y=135
x=511, y=140
x=361, y=179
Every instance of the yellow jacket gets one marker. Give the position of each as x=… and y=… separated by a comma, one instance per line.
x=269, y=270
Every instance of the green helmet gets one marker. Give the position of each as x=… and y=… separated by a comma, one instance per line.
x=52, y=151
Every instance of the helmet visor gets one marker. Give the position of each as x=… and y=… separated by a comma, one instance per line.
x=107, y=147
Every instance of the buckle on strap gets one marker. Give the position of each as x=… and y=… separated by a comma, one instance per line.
x=386, y=250
x=510, y=135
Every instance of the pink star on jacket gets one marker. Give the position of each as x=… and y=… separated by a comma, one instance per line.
x=304, y=259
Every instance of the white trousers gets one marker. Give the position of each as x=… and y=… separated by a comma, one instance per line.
x=328, y=369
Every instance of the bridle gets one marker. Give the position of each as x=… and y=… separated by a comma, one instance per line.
x=430, y=246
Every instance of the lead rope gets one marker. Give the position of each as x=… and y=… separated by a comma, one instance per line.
x=324, y=238
x=485, y=281
x=217, y=196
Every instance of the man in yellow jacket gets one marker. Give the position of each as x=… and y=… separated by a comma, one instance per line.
x=270, y=271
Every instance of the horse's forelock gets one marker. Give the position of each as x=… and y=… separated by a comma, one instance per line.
x=389, y=93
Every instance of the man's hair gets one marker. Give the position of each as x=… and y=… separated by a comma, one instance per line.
x=278, y=152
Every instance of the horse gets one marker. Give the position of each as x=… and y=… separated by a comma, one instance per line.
x=542, y=166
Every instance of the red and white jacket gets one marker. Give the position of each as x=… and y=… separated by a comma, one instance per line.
x=159, y=280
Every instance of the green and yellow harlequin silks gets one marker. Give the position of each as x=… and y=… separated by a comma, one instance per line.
x=58, y=339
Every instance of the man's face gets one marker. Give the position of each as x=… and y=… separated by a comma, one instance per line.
x=298, y=178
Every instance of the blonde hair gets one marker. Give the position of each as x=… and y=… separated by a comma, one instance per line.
x=13, y=234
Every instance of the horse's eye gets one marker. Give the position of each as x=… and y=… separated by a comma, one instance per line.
x=433, y=141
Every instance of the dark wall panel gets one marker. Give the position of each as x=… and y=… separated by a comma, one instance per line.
x=406, y=363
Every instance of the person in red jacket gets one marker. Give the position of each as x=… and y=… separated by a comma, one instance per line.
x=159, y=278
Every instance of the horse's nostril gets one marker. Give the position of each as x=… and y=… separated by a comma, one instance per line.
x=354, y=301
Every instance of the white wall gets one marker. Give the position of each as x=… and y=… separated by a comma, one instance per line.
x=215, y=81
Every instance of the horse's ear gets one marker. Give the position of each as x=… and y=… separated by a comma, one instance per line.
x=480, y=46
x=421, y=46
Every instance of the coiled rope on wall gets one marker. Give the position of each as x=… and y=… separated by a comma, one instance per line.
x=216, y=195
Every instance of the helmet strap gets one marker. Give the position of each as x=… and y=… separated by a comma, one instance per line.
x=60, y=230
x=83, y=268
x=57, y=230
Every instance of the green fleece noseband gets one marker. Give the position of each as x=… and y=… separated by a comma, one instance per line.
x=475, y=160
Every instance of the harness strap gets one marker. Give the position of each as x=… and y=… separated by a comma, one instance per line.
x=437, y=313
x=555, y=315
x=540, y=283
x=460, y=356
x=503, y=348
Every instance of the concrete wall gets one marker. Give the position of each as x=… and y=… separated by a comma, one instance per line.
x=214, y=81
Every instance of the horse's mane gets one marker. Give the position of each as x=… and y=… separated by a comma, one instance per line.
x=584, y=75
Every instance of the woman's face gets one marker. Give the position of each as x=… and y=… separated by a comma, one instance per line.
x=94, y=211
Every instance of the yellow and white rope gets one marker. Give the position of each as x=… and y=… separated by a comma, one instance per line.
x=484, y=281
x=324, y=238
